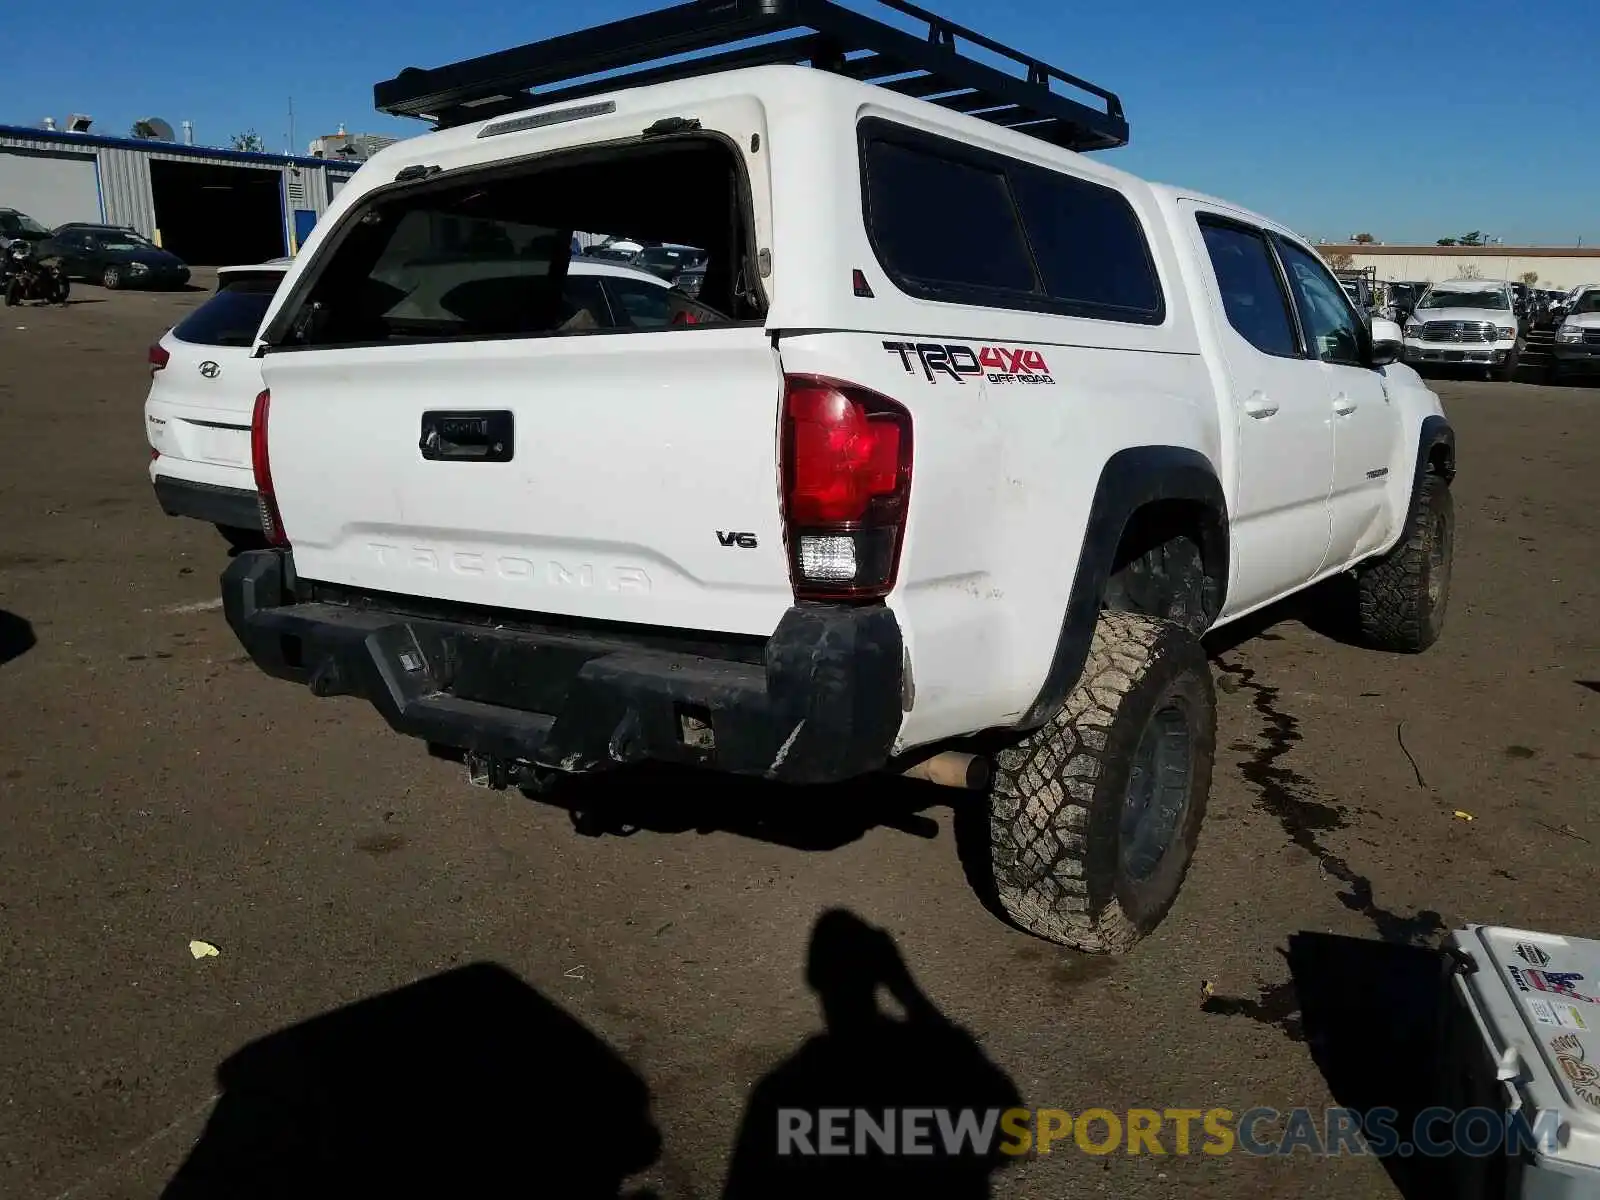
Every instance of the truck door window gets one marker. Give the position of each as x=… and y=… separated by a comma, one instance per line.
x=1252, y=290
x=1330, y=323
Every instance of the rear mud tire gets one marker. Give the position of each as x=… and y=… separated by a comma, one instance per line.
x=1402, y=597
x=1094, y=817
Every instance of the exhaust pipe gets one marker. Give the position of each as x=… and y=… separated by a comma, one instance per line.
x=952, y=768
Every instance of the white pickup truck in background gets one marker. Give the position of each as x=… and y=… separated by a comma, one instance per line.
x=947, y=489
x=1466, y=323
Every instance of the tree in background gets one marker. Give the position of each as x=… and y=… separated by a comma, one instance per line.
x=1447, y=241
x=1529, y=278
x=1363, y=239
x=1469, y=272
x=248, y=140
x=1339, y=260
x=1475, y=238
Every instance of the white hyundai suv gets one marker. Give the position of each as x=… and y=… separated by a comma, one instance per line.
x=204, y=383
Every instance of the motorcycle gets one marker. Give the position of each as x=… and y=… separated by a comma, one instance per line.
x=26, y=276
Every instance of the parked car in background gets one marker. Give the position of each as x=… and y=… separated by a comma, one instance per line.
x=1577, y=346
x=689, y=280
x=116, y=257
x=1537, y=314
x=1466, y=323
x=668, y=261
x=1402, y=302
x=15, y=224
x=1521, y=305
x=203, y=387
x=1552, y=300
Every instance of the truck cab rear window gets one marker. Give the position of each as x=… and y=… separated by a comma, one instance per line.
x=233, y=315
x=970, y=227
x=489, y=255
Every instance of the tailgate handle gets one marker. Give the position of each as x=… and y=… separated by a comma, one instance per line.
x=467, y=436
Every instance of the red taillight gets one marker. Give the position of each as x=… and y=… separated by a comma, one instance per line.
x=158, y=358
x=846, y=483
x=266, y=498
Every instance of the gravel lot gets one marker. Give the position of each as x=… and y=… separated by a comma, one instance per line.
x=601, y=1004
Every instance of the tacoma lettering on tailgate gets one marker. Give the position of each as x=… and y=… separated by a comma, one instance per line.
x=552, y=574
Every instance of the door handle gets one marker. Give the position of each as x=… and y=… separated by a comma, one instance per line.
x=467, y=436
x=1343, y=406
x=1259, y=407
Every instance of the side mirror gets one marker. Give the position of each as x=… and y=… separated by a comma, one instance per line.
x=1388, y=343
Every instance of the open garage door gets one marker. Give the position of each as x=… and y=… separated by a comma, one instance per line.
x=212, y=214
x=51, y=187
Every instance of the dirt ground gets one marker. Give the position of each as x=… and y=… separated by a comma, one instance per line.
x=577, y=1013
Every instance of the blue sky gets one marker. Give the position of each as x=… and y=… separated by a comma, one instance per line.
x=1409, y=121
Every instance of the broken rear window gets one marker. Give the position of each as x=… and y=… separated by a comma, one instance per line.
x=488, y=257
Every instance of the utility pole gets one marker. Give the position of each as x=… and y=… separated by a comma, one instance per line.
x=291, y=126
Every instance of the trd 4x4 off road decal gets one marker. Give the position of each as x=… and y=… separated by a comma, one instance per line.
x=998, y=364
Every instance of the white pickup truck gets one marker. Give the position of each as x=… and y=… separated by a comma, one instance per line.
x=966, y=439
x=1466, y=323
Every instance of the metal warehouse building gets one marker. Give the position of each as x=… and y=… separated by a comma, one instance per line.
x=209, y=207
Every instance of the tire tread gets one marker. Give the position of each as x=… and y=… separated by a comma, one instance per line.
x=1044, y=788
x=1392, y=592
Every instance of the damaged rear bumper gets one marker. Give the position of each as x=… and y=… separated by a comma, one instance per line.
x=818, y=701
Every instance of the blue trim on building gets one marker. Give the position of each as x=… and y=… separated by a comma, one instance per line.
x=95, y=140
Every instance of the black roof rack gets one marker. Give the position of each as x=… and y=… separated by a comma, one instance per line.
x=817, y=32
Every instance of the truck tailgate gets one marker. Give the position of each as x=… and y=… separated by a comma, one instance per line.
x=637, y=480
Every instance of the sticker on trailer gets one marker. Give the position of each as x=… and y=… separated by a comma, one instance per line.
x=1568, y=1015
x=1557, y=983
x=1532, y=955
x=1542, y=1011
x=1583, y=1076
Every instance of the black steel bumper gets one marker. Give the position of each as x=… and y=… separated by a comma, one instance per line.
x=234, y=507
x=818, y=701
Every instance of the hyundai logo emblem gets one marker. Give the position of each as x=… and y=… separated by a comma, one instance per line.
x=210, y=369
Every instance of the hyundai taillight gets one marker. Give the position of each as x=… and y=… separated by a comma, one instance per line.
x=266, y=498
x=846, y=487
x=159, y=358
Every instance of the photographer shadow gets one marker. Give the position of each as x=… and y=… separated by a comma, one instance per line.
x=469, y=1083
x=867, y=1060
